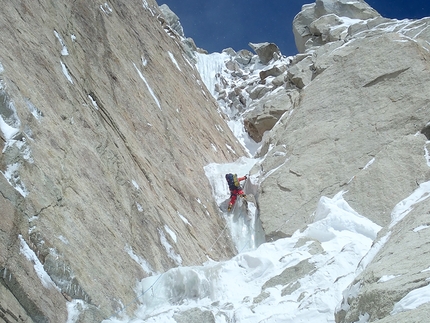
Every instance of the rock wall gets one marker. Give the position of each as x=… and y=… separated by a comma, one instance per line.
x=106, y=127
x=359, y=124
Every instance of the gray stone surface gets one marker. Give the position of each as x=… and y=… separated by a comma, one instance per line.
x=195, y=315
x=403, y=259
x=350, y=113
x=265, y=51
x=264, y=113
x=104, y=158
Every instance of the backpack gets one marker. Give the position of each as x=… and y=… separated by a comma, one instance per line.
x=233, y=183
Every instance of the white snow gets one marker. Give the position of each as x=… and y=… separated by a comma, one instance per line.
x=421, y=227
x=139, y=207
x=412, y=300
x=404, y=207
x=64, y=50
x=8, y=131
x=184, y=219
x=386, y=278
x=369, y=163
x=106, y=8
x=174, y=60
x=147, y=7
x=66, y=72
x=248, y=287
x=229, y=288
x=171, y=233
x=74, y=309
x=12, y=176
x=63, y=239
x=136, y=186
x=142, y=262
x=147, y=85
x=37, y=114
x=45, y=279
x=209, y=65
x=426, y=153
x=169, y=249
x=93, y=102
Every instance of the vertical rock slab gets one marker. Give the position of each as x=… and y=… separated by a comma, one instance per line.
x=106, y=127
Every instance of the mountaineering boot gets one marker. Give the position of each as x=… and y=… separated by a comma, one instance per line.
x=229, y=207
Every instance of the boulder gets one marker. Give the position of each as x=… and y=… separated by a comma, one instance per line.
x=258, y=91
x=318, y=23
x=265, y=51
x=356, y=9
x=273, y=71
x=264, y=113
x=329, y=28
x=195, y=315
x=244, y=57
x=301, y=74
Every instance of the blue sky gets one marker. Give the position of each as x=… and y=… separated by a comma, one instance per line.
x=216, y=25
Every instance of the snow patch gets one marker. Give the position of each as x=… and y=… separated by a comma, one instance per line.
x=66, y=72
x=12, y=176
x=37, y=114
x=169, y=249
x=45, y=279
x=139, y=207
x=405, y=206
x=184, y=219
x=174, y=60
x=106, y=8
x=386, y=278
x=369, y=163
x=74, y=309
x=64, y=51
x=136, y=186
x=8, y=131
x=171, y=233
x=412, y=300
x=148, y=87
x=139, y=260
x=421, y=227
x=93, y=101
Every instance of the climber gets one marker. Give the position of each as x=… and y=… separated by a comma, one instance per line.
x=235, y=188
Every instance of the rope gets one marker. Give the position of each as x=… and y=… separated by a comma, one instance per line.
x=136, y=298
x=156, y=281
x=222, y=232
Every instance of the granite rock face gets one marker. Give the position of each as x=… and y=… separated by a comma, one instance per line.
x=399, y=268
x=374, y=113
x=360, y=124
x=106, y=128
